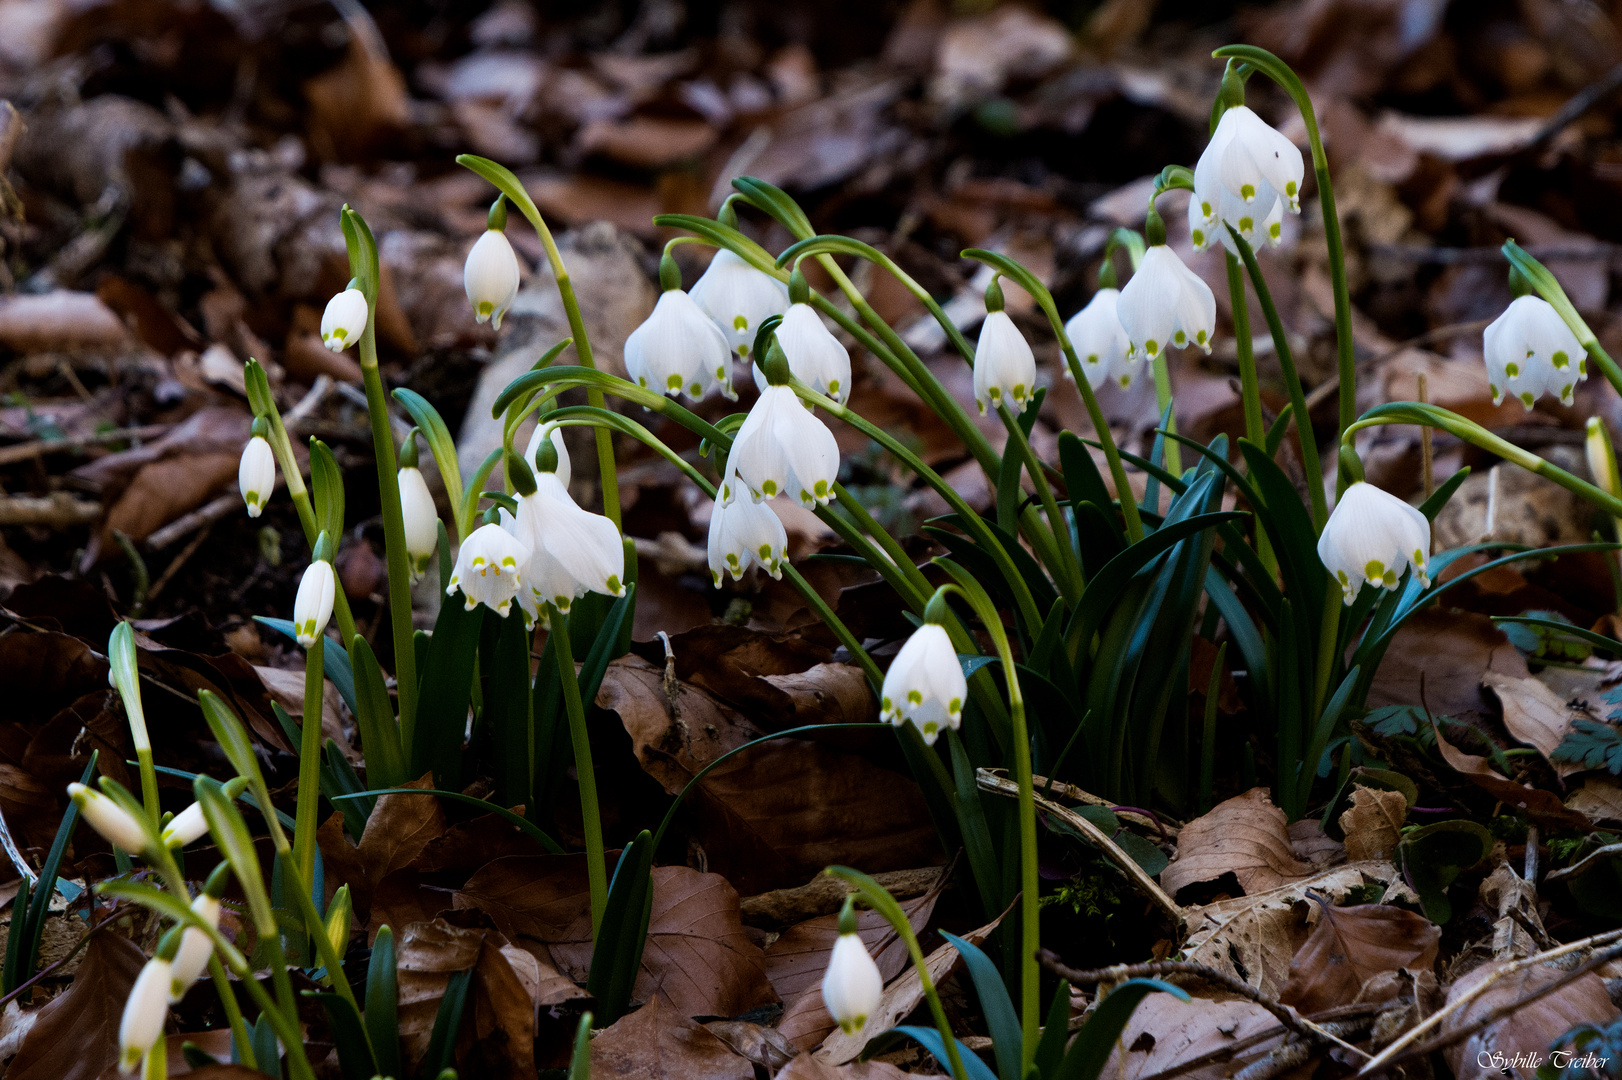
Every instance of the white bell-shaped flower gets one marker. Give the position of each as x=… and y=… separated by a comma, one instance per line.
x=1004, y=366
x=421, y=519
x=1250, y=159
x=679, y=350
x=925, y=684
x=742, y=533
x=1255, y=223
x=1374, y=536
x=739, y=298
x=1531, y=351
x=112, y=821
x=144, y=1013
x=564, y=470
x=312, y=606
x=572, y=551
x=490, y=277
x=256, y=475
x=1166, y=304
x=185, y=827
x=344, y=320
x=782, y=448
x=488, y=568
x=852, y=985
x=191, y=960
x=815, y=356
x=1100, y=342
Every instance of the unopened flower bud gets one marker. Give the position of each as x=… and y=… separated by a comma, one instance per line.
x=112, y=821
x=852, y=985
x=490, y=277
x=344, y=320
x=256, y=475
x=312, y=606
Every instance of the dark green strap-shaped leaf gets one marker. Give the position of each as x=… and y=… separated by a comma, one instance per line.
x=1275, y=434
x=440, y=443
x=930, y=1040
x=442, y=1042
x=975, y=833
x=1002, y=1022
x=1098, y=1035
x=383, y=1004
x=1083, y=482
x=326, y=490
x=580, y=1060
x=15, y=947
x=374, y=716
x=617, y=955
x=776, y=202
x=348, y=1035
x=607, y=644
x=1433, y=505
x=344, y=781
x=447, y=688
x=1290, y=527
x=334, y=662
x=1601, y=643
x=1050, y=1049
x=506, y=715
x=196, y=1058
x=39, y=905
x=266, y=1051
x=1320, y=736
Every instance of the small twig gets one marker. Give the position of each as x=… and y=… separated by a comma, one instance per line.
x=1527, y=923
x=204, y=515
x=1530, y=872
x=1168, y=827
x=58, y=510
x=1285, y=1015
x=10, y=455
x=1427, y=466
x=178, y=561
x=1585, y=862
x=1324, y=389
x=990, y=781
x=1575, y=106
x=1460, y=1002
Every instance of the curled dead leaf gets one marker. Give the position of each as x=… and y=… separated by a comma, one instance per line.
x=1534, y=715
x=1246, y=836
x=1352, y=945
x=1373, y=823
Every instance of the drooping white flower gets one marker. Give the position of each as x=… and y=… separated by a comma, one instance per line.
x=195, y=948
x=312, y=606
x=739, y=298
x=782, y=448
x=256, y=475
x=344, y=320
x=679, y=350
x=421, y=519
x=815, y=356
x=564, y=470
x=1166, y=304
x=925, y=684
x=852, y=985
x=1374, y=536
x=1004, y=366
x=1100, y=341
x=487, y=568
x=1531, y=351
x=144, y=1013
x=1256, y=224
x=742, y=533
x=112, y=821
x=185, y=827
x=490, y=277
x=572, y=551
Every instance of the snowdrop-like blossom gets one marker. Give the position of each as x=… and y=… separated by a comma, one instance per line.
x=312, y=606
x=1004, y=366
x=191, y=959
x=739, y=298
x=1255, y=224
x=421, y=519
x=490, y=277
x=185, y=827
x=1100, y=341
x=488, y=567
x=782, y=448
x=1531, y=351
x=1166, y=304
x=572, y=550
x=256, y=475
x=852, y=985
x=1374, y=536
x=925, y=684
x=815, y=356
x=742, y=533
x=112, y=821
x=679, y=350
x=147, y=1007
x=344, y=320
x=564, y=470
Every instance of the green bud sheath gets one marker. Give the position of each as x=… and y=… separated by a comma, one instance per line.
x=775, y=365
x=937, y=611
x=669, y=273
x=325, y=548
x=994, y=297
x=518, y=471
x=218, y=880
x=498, y=214
x=261, y=428
x=169, y=943
x=546, y=457
x=408, y=450
x=799, y=290
x=847, y=915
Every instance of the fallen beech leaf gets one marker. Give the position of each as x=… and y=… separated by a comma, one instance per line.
x=76, y=1035
x=1531, y=1027
x=499, y=1022
x=1598, y=800
x=1350, y=946
x=1164, y=1032
x=766, y=1047
x=1373, y=823
x=698, y=956
x=58, y=321
x=1246, y=836
x=646, y=142
x=900, y=997
x=658, y=1043
x=1542, y=806
x=1311, y=844
x=1534, y=715
x=400, y=827
x=1254, y=938
x=1441, y=656
x=811, y=1067
x=287, y=688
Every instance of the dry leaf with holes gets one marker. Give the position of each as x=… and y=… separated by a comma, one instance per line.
x=1165, y=1032
x=1531, y=1027
x=1350, y=946
x=1373, y=823
x=1246, y=836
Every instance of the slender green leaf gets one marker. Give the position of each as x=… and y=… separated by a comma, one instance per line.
x=383, y=1004
x=374, y=716
x=527, y=827
x=348, y=1035
x=620, y=940
x=440, y=443
x=447, y=688
x=930, y=1040
x=326, y=490
x=442, y=1042
x=1097, y=1037
x=1002, y=1021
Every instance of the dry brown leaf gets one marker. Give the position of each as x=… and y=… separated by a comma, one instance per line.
x=1254, y=938
x=698, y=956
x=1373, y=823
x=1246, y=836
x=498, y=1028
x=1441, y=656
x=1598, y=800
x=796, y=961
x=900, y=997
x=1350, y=946
x=76, y=1035
x=399, y=829
x=359, y=103
x=1542, y=806
x=646, y=142
x=58, y=322
x=1534, y=715
x=1529, y=1028
x=1164, y=1032
x=658, y=1042
x=286, y=687
x=811, y=1067
x=1311, y=844
x=766, y=1047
